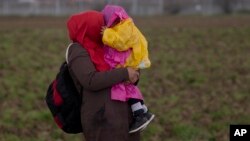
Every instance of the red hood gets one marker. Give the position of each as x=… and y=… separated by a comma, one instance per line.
x=85, y=28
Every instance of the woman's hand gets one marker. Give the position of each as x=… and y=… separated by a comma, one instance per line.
x=133, y=75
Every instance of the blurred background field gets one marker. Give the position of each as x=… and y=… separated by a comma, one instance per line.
x=197, y=86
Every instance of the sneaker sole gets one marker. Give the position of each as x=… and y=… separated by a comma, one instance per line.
x=143, y=126
x=152, y=117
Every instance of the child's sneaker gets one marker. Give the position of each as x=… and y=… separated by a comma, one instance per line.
x=150, y=117
x=139, y=122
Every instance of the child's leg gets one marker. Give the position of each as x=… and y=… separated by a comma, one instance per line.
x=141, y=115
x=140, y=121
x=136, y=106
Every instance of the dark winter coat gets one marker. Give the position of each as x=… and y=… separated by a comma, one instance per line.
x=102, y=119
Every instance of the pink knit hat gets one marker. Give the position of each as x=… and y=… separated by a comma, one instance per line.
x=112, y=13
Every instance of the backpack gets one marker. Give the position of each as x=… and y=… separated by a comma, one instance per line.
x=64, y=101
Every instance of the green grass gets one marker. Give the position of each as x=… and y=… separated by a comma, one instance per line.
x=197, y=86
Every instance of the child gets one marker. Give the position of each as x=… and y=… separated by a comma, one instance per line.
x=125, y=46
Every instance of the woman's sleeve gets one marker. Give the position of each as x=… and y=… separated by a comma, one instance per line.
x=84, y=71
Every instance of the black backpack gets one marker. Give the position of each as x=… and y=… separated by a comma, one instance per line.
x=64, y=101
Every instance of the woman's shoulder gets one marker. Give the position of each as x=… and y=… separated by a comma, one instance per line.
x=76, y=47
x=75, y=50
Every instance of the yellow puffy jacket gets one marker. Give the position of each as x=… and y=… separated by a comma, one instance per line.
x=125, y=35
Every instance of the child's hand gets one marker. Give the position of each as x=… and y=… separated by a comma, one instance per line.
x=103, y=28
